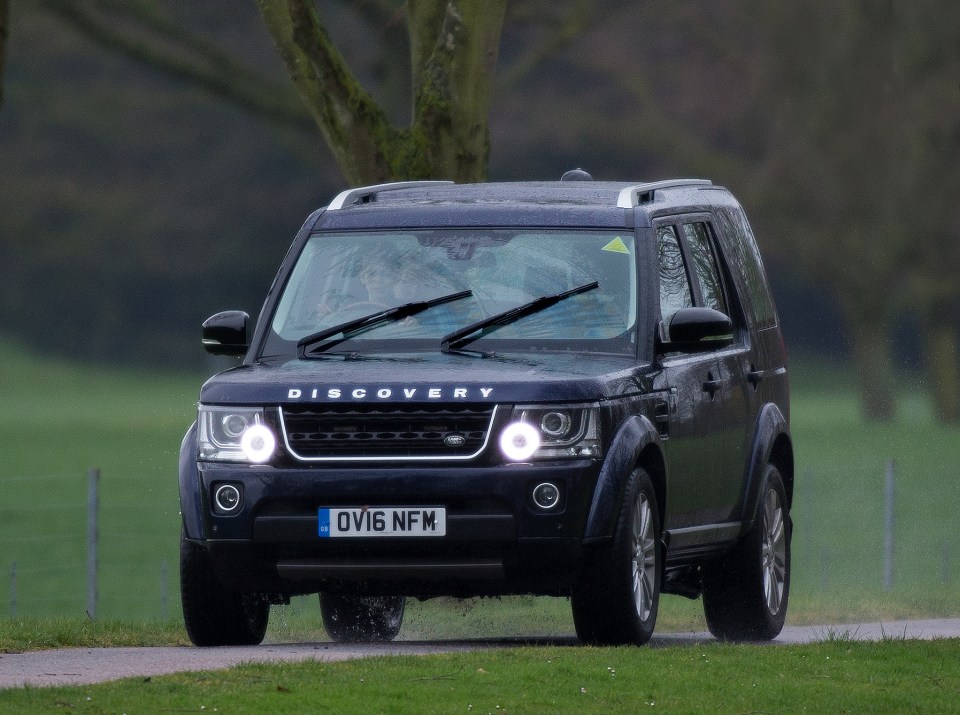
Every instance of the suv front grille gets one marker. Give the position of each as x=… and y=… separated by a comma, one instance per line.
x=315, y=433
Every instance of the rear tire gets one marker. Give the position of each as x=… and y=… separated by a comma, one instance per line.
x=615, y=600
x=212, y=614
x=354, y=619
x=745, y=593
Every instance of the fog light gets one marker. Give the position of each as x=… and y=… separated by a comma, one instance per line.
x=227, y=498
x=519, y=441
x=546, y=495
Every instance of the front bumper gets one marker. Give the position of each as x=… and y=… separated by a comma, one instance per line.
x=497, y=542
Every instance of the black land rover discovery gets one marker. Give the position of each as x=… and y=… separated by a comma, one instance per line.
x=569, y=388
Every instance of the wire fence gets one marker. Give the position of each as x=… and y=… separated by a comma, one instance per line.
x=870, y=531
x=88, y=544
x=74, y=545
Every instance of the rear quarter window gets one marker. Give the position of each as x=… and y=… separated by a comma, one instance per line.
x=743, y=256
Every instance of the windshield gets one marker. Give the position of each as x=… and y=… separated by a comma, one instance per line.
x=340, y=277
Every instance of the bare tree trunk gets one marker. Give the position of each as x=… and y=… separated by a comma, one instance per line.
x=4, y=33
x=943, y=368
x=869, y=318
x=454, y=46
x=870, y=338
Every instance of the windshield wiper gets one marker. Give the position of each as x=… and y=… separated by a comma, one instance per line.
x=311, y=343
x=464, y=336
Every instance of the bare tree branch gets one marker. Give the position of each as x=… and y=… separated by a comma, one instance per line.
x=453, y=44
x=560, y=33
x=559, y=27
x=350, y=121
x=381, y=13
x=138, y=30
x=424, y=21
x=454, y=83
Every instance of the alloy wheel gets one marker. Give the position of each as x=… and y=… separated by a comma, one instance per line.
x=774, y=552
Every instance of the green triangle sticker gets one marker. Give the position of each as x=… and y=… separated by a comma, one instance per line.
x=616, y=246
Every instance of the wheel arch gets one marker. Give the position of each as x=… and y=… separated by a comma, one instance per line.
x=636, y=444
x=771, y=445
x=651, y=459
x=781, y=455
x=190, y=507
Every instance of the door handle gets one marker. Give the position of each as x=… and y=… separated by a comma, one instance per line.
x=712, y=385
x=661, y=416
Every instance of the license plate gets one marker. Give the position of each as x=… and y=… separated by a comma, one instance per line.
x=381, y=521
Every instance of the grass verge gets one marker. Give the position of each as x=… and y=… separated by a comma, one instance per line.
x=837, y=675
x=18, y=635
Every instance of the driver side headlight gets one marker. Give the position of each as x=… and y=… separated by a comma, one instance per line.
x=234, y=434
x=564, y=430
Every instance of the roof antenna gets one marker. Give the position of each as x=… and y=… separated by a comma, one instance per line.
x=576, y=175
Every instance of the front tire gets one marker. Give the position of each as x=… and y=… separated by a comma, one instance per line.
x=615, y=601
x=212, y=614
x=354, y=619
x=745, y=594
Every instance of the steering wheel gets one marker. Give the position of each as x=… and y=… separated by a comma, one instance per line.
x=364, y=306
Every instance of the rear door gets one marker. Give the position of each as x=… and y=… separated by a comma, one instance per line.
x=766, y=371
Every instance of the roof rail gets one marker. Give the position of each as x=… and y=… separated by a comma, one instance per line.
x=633, y=196
x=363, y=194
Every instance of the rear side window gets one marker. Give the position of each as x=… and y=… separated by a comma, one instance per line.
x=743, y=257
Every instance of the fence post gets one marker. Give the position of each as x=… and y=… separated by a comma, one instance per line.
x=164, y=591
x=888, y=526
x=93, y=535
x=808, y=516
x=945, y=562
x=13, y=590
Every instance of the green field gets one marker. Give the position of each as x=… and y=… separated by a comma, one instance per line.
x=61, y=419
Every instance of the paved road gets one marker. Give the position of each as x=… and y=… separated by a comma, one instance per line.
x=76, y=666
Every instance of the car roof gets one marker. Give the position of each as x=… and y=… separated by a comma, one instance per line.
x=546, y=203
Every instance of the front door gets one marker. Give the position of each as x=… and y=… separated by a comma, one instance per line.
x=714, y=395
x=694, y=436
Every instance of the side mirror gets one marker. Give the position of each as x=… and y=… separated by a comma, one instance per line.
x=695, y=330
x=225, y=333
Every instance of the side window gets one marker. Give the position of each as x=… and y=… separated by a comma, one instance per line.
x=705, y=266
x=674, y=284
x=743, y=258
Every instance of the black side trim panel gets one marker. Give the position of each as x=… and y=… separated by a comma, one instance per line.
x=636, y=434
x=770, y=425
x=191, y=507
x=697, y=539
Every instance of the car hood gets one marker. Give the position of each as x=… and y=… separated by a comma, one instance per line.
x=434, y=378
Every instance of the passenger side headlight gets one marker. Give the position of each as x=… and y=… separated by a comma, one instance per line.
x=564, y=430
x=234, y=434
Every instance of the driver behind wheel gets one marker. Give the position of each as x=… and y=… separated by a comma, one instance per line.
x=380, y=280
